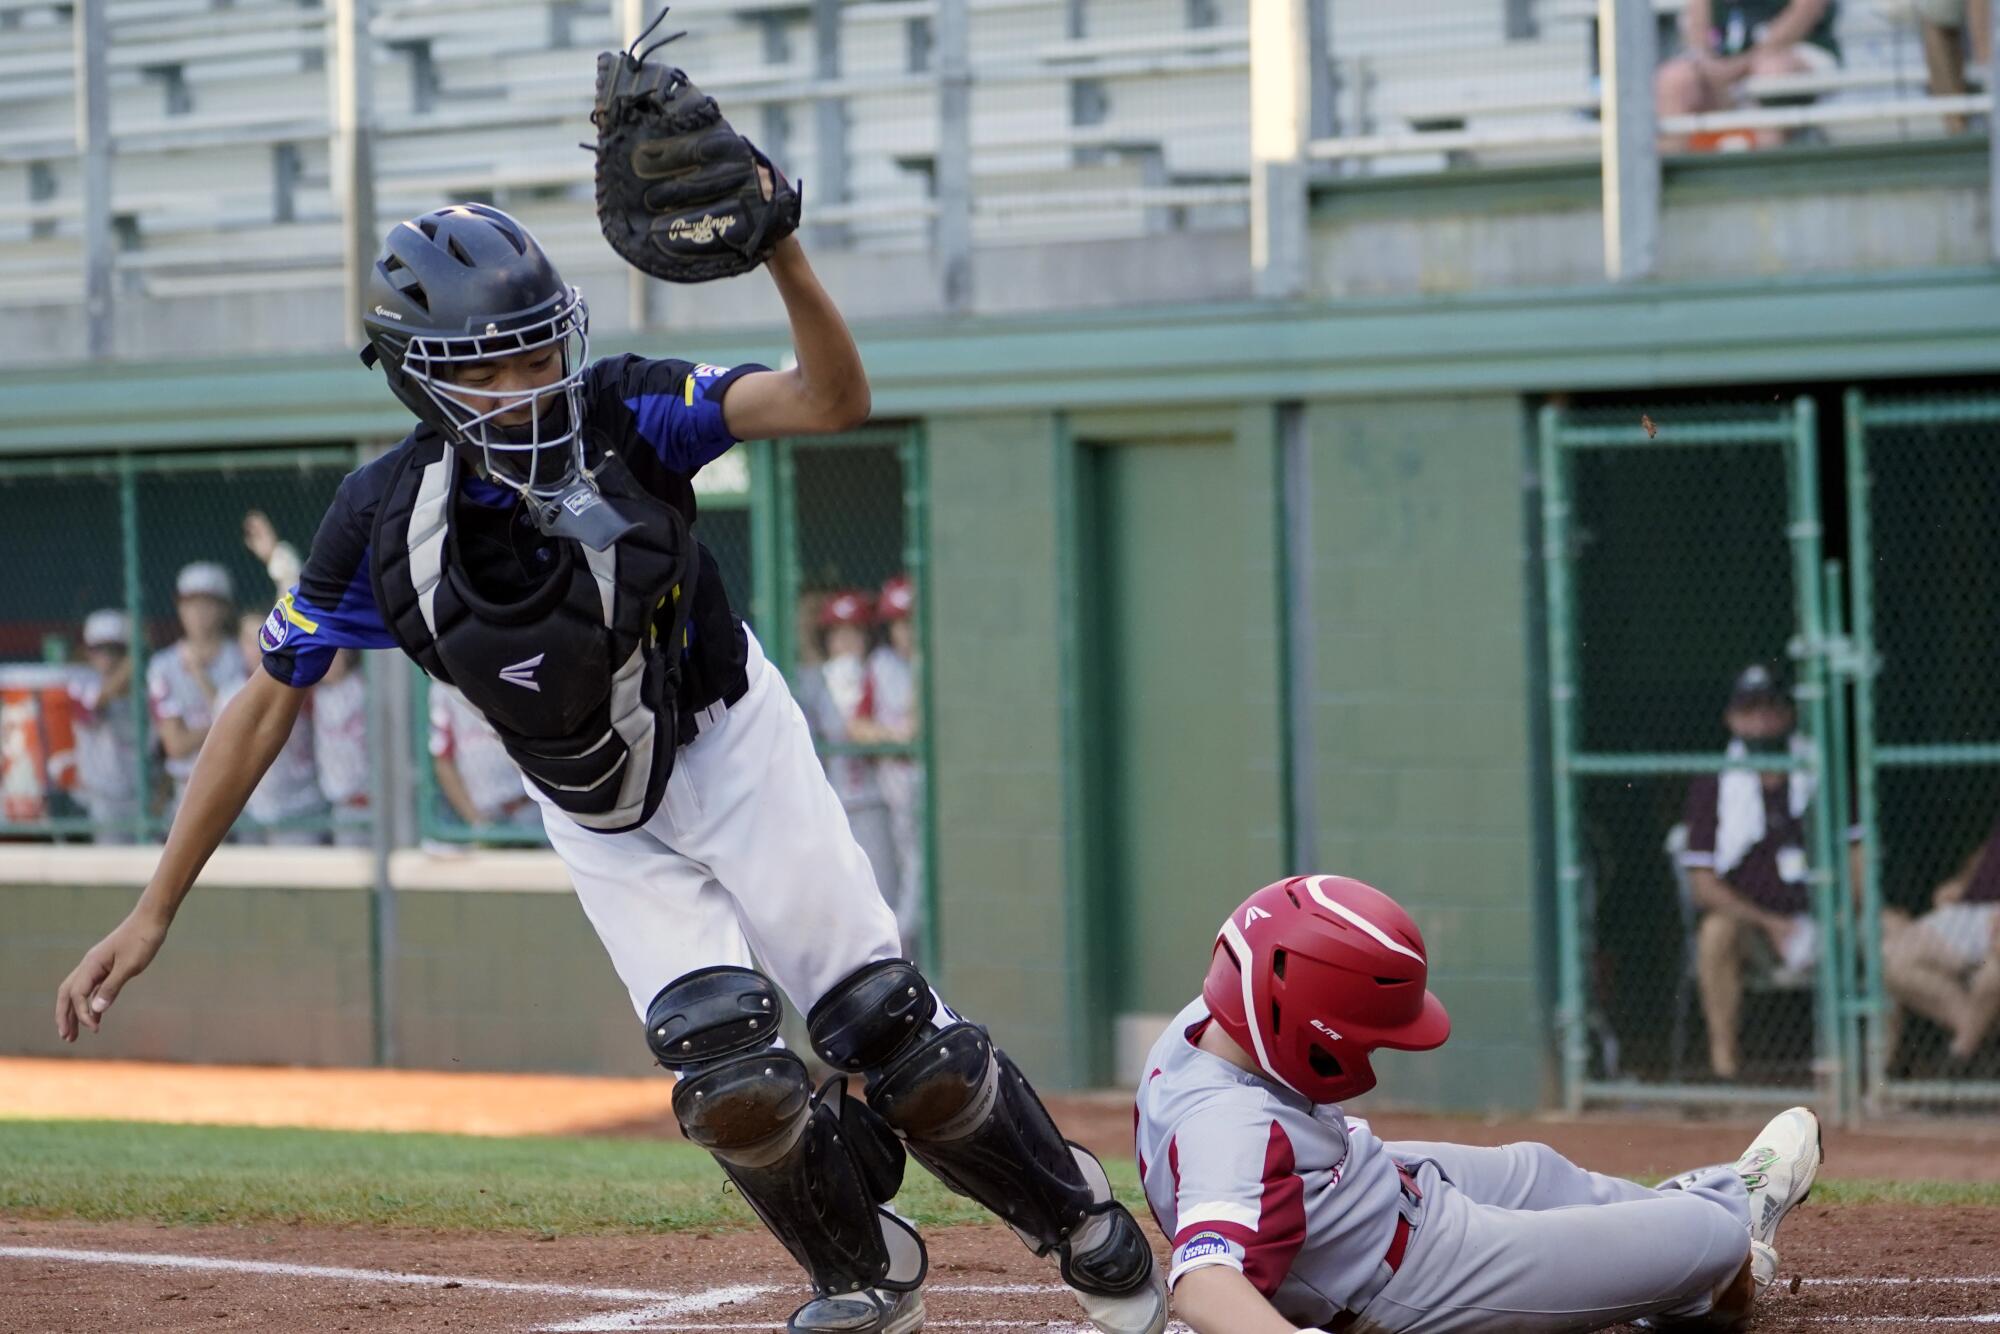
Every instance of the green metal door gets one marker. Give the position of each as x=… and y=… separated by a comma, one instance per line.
x=1923, y=496
x=1682, y=546
x=1163, y=628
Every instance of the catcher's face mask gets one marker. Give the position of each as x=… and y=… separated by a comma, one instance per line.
x=514, y=399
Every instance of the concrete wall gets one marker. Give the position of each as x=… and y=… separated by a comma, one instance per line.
x=1011, y=952
x=269, y=962
x=1420, y=714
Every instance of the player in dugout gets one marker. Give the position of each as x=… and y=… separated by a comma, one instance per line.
x=529, y=543
x=1284, y=1213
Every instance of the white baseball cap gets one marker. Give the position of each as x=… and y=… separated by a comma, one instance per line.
x=107, y=628
x=204, y=578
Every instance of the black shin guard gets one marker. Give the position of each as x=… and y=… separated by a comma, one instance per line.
x=970, y=1116
x=815, y=1168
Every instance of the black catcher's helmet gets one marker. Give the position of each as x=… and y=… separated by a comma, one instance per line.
x=467, y=283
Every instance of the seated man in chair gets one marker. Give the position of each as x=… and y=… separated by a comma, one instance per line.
x=1746, y=863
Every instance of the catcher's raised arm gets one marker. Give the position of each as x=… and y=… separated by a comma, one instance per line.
x=679, y=193
x=683, y=197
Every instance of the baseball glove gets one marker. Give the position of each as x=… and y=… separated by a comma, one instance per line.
x=677, y=189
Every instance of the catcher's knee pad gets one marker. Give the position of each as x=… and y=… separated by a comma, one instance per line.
x=871, y=1015
x=703, y=1016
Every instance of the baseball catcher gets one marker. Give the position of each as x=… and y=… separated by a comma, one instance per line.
x=1286, y=1214
x=531, y=544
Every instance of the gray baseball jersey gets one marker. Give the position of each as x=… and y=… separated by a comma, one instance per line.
x=174, y=692
x=1244, y=1173
x=1305, y=1202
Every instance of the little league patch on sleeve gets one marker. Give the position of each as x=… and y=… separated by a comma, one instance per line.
x=1201, y=1246
x=275, y=632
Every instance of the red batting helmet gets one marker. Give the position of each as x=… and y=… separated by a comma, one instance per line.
x=849, y=606
x=898, y=600
x=1311, y=974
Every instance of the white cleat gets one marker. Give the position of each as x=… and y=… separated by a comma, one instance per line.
x=1778, y=1171
x=1141, y=1312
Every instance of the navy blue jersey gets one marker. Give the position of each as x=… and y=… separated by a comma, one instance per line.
x=663, y=418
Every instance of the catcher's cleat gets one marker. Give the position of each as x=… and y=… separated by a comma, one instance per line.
x=869, y=1311
x=1109, y=1264
x=1778, y=1171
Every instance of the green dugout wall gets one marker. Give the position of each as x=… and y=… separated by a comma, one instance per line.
x=1154, y=538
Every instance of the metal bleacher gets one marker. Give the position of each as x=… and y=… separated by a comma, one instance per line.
x=1430, y=84
x=1089, y=118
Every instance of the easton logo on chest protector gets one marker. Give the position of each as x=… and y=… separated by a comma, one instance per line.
x=580, y=676
x=522, y=673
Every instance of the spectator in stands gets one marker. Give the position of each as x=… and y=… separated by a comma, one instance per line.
x=107, y=734
x=1746, y=863
x=340, y=746
x=475, y=775
x=892, y=718
x=834, y=696
x=1946, y=964
x=1950, y=27
x=278, y=557
x=289, y=794
x=1728, y=41
x=187, y=682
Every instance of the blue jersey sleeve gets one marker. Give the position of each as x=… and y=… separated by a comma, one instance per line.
x=333, y=604
x=676, y=406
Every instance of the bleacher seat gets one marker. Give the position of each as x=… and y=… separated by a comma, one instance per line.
x=1090, y=117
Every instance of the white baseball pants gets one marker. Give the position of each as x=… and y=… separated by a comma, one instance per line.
x=749, y=854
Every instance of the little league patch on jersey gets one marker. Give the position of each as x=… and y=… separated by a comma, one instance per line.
x=1202, y=1249
x=1203, y=1245
x=275, y=632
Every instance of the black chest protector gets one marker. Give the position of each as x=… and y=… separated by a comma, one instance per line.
x=579, y=676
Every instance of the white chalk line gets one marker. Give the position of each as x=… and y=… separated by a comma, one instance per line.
x=280, y=1269
x=653, y=1306
x=1993, y=1319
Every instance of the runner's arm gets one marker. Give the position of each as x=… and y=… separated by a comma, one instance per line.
x=1218, y=1299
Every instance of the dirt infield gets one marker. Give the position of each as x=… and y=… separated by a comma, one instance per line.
x=1868, y=1267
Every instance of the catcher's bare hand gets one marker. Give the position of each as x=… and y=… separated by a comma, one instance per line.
x=107, y=966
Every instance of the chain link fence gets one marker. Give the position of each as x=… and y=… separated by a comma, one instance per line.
x=1924, y=477
x=139, y=586
x=849, y=629
x=1698, y=877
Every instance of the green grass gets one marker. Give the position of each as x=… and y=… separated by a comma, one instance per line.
x=110, y=1171
x=116, y=1170
x=1938, y=1193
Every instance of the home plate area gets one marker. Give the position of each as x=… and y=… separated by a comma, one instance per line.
x=1868, y=1267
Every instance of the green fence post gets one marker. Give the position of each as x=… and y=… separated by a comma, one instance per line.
x=1861, y=560
x=785, y=544
x=135, y=616
x=420, y=756
x=1562, y=745
x=765, y=600
x=1838, y=812
x=917, y=568
x=1811, y=690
